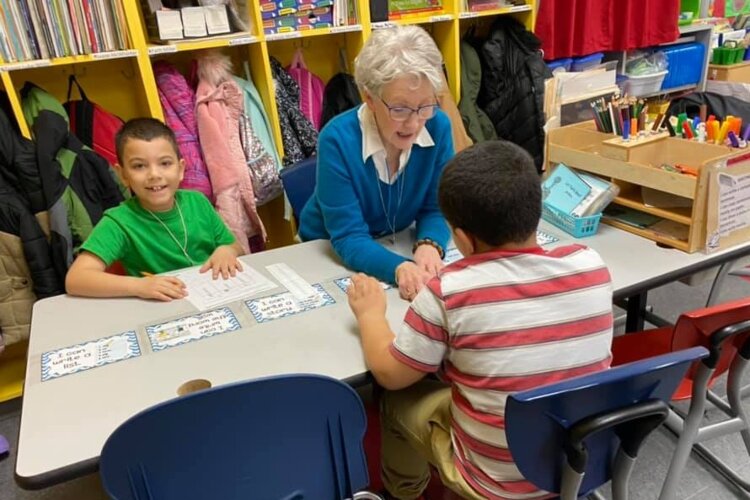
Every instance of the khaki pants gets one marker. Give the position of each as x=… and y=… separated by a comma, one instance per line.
x=416, y=433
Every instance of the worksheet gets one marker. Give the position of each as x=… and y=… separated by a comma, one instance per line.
x=286, y=304
x=190, y=328
x=89, y=355
x=204, y=292
x=289, y=279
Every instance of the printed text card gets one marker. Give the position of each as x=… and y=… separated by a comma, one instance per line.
x=89, y=355
x=182, y=330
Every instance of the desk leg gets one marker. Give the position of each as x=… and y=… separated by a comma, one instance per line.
x=636, y=311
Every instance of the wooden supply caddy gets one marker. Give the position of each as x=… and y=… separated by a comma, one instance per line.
x=636, y=165
x=739, y=72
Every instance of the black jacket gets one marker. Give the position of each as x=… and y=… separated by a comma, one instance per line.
x=512, y=92
x=21, y=198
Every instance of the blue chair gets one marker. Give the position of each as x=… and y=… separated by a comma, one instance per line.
x=299, y=183
x=573, y=436
x=284, y=437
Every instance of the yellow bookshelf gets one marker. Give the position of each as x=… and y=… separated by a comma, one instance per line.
x=123, y=81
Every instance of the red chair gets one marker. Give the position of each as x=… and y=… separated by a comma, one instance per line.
x=725, y=331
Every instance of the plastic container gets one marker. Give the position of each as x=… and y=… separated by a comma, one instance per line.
x=560, y=63
x=586, y=62
x=727, y=55
x=684, y=63
x=580, y=227
x=689, y=10
x=640, y=85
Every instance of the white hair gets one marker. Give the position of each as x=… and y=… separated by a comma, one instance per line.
x=395, y=53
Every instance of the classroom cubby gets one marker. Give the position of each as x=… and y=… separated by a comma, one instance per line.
x=123, y=82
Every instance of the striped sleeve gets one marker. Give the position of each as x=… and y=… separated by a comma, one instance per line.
x=422, y=341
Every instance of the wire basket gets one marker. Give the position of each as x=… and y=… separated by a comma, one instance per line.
x=580, y=227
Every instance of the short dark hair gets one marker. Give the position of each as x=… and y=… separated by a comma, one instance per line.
x=145, y=129
x=493, y=192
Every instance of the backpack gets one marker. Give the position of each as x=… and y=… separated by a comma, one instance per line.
x=260, y=164
x=298, y=135
x=92, y=124
x=310, y=89
x=340, y=95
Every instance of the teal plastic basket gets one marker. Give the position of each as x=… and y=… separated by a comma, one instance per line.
x=580, y=227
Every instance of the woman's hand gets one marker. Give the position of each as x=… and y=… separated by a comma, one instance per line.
x=410, y=278
x=428, y=259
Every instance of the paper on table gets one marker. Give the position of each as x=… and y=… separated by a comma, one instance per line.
x=89, y=355
x=289, y=279
x=286, y=304
x=190, y=328
x=204, y=292
x=344, y=283
x=542, y=238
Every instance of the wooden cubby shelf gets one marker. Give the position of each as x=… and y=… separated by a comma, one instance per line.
x=639, y=167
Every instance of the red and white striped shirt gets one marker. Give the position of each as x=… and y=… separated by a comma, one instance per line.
x=502, y=322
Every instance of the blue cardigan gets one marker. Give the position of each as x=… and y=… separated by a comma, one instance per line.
x=347, y=206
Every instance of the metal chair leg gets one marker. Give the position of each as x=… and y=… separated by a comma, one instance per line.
x=687, y=433
x=623, y=467
x=718, y=284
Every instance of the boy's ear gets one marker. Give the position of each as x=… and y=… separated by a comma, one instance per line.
x=182, y=168
x=465, y=242
x=121, y=174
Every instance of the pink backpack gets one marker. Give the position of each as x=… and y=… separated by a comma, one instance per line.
x=310, y=89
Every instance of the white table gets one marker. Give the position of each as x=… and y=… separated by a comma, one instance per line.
x=65, y=421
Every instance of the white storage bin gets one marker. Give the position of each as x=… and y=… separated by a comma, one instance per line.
x=639, y=85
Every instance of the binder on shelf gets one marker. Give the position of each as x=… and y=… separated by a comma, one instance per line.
x=577, y=193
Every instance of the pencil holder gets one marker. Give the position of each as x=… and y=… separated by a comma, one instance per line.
x=580, y=227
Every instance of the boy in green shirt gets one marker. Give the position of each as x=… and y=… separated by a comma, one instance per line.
x=157, y=230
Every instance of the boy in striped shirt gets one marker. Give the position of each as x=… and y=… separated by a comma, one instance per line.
x=508, y=317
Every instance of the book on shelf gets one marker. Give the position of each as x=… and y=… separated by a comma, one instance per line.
x=41, y=29
x=400, y=9
x=576, y=193
x=485, y=5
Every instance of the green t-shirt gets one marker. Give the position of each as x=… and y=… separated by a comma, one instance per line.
x=130, y=234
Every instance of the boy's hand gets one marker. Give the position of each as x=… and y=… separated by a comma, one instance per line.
x=428, y=259
x=411, y=278
x=366, y=296
x=223, y=261
x=163, y=288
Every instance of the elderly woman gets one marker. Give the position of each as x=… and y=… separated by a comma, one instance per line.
x=379, y=164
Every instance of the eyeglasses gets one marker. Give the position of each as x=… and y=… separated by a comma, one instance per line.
x=403, y=113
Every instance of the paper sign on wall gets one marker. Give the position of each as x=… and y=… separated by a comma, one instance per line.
x=89, y=355
x=728, y=214
x=190, y=328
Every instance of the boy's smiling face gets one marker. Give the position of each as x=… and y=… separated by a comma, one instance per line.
x=153, y=171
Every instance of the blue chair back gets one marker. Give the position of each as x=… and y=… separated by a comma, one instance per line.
x=299, y=183
x=285, y=437
x=537, y=420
